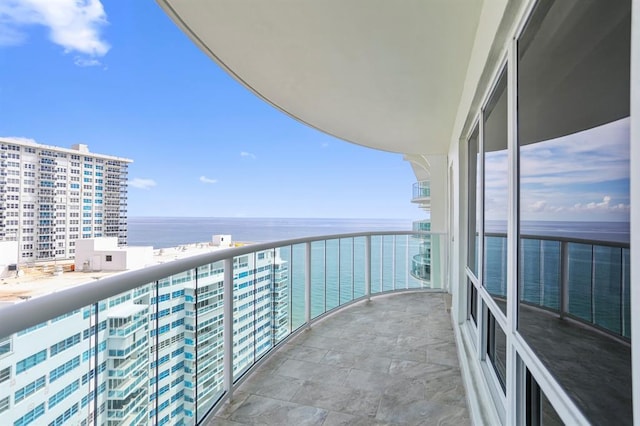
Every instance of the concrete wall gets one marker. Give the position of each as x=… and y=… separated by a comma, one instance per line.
x=103, y=254
x=8, y=256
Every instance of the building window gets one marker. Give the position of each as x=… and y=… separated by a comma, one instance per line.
x=496, y=195
x=539, y=410
x=31, y=361
x=5, y=374
x=4, y=404
x=497, y=349
x=108, y=258
x=573, y=147
x=472, y=302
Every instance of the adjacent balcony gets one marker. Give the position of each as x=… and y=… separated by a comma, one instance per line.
x=422, y=194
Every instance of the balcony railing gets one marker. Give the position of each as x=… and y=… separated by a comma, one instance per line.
x=421, y=191
x=210, y=318
x=586, y=280
x=422, y=226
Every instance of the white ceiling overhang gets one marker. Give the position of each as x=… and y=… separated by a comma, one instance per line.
x=379, y=73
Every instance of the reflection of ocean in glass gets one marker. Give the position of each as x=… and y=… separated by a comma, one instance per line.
x=598, y=270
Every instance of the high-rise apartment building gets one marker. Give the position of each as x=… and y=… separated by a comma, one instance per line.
x=52, y=196
x=146, y=353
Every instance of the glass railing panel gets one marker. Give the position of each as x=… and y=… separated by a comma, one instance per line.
x=358, y=266
x=607, y=287
x=579, y=280
x=388, y=252
x=245, y=304
x=346, y=270
x=376, y=263
x=280, y=297
x=495, y=268
x=318, y=274
x=626, y=293
x=203, y=363
x=540, y=274
x=416, y=246
x=421, y=189
x=402, y=262
x=155, y=355
x=285, y=254
x=332, y=273
x=42, y=368
x=297, y=285
x=136, y=335
x=551, y=261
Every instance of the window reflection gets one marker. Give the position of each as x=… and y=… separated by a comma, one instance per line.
x=496, y=193
x=573, y=137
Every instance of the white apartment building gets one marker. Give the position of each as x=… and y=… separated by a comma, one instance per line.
x=51, y=196
x=145, y=352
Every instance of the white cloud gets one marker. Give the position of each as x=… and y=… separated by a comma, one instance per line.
x=86, y=62
x=325, y=145
x=205, y=179
x=142, y=183
x=592, y=156
x=75, y=25
x=604, y=205
x=247, y=154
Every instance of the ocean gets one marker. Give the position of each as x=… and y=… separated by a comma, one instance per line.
x=163, y=232
x=598, y=265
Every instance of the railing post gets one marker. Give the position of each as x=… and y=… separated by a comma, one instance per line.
x=367, y=267
x=307, y=284
x=393, y=265
x=564, y=278
x=228, y=326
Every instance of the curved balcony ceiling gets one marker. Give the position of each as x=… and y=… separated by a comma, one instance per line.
x=383, y=74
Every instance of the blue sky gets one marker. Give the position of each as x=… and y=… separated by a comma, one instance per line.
x=122, y=78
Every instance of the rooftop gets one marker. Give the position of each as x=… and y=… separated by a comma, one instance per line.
x=39, y=279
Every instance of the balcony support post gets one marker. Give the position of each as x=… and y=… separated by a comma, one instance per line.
x=228, y=327
x=367, y=267
x=307, y=284
x=564, y=278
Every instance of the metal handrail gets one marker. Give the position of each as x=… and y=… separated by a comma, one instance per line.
x=563, y=239
x=28, y=313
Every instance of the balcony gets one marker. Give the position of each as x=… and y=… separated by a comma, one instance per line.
x=372, y=363
x=422, y=194
x=330, y=328
x=273, y=292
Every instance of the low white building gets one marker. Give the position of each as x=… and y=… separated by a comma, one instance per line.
x=103, y=254
x=8, y=258
x=222, y=240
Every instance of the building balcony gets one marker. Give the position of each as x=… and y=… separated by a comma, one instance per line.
x=421, y=267
x=422, y=194
x=357, y=338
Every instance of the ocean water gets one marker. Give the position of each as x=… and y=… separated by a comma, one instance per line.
x=598, y=269
x=162, y=232
x=597, y=265
x=337, y=266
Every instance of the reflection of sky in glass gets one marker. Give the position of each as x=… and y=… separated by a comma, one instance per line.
x=496, y=200
x=579, y=177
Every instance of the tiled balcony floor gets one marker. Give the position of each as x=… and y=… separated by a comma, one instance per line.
x=391, y=361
